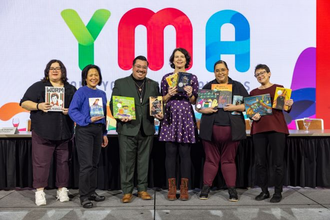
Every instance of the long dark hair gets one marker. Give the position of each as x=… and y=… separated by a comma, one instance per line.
x=63, y=71
x=185, y=53
x=84, y=74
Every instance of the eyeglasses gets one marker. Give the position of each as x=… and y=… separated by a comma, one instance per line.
x=55, y=68
x=221, y=70
x=260, y=73
x=139, y=67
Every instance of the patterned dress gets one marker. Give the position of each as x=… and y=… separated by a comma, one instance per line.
x=179, y=124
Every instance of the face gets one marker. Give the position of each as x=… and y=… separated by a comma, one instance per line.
x=262, y=76
x=54, y=99
x=93, y=78
x=221, y=73
x=140, y=69
x=55, y=73
x=179, y=60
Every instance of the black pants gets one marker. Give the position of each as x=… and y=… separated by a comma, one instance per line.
x=171, y=155
x=88, y=143
x=276, y=142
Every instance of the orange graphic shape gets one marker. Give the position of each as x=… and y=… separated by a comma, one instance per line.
x=8, y=110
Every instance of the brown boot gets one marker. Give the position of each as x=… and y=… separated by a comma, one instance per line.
x=171, y=189
x=184, y=189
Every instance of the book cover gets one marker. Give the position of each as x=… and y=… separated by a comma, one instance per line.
x=55, y=97
x=207, y=98
x=237, y=100
x=96, y=106
x=225, y=96
x=258, y=104
x=281, y=95
x=156, y=105
x=184, y=79
x=123, y=107
x=172, y=80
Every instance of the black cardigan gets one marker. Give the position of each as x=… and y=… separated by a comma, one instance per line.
x=237, y=122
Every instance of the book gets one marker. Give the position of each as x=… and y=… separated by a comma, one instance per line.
x=55, y=97
x=156, y=105
x=184, y=79
x=96, y=106
x=258, y=104
x=172, y=80
x=207, y=98
x=225, y=96
x=237, y=100
x=123, y=107
x=281, y=95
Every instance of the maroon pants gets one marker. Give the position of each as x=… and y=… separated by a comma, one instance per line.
x=221, y=149
x=42, y=154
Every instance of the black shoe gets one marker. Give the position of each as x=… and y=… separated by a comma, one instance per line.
x=205, y=192
x=276, y=198
x=86, y=204
x=95, y=197
x=233, y=197
x=262, y=196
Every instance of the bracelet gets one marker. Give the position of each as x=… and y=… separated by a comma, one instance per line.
x=38, y=106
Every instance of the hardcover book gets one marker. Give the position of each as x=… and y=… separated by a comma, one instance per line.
x=184, y=79
x=156, y=105
x=55, y=97
x=237, y=100
x=258, y=104
x=96, y=106
x=225, y=96
x=172, y=80
x=207, y=98
x=123, y=107
x=281, y=95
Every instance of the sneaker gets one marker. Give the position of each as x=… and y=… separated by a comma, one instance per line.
x=40, y=197
x=233, y=197
x=205, y=193
x=62, y=195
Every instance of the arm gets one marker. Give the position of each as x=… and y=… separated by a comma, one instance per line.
x=75, y=110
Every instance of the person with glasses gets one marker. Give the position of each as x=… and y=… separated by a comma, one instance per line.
x=221, y=131
x=136, y=136
x=269, y=130
x=178, y=129
x=52, y=132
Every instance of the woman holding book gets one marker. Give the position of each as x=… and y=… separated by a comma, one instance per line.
x=269, y=130
x=91, y=132
x=221, y=129
x=178, y=128
x=52, y=131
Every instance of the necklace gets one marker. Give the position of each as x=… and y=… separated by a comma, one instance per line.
x=140, y=90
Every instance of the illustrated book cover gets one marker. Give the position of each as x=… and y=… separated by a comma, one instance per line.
x=55, y=97
x=237, y=100
x=156, y=105
x=281, y=95
x=95, y=106
x=123, y=107
x=172, y=80
x=225, y=96
x=184, y=79
x=207, y=98
x=258, y=104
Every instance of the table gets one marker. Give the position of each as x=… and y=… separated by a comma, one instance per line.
x=307, y=163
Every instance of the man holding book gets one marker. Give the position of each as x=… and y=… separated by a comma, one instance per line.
x=135, y=135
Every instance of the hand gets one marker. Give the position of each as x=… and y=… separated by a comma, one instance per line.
x=105, y=141
x=289, y=103
x=44, y=106
x=96, y=118
x=159, y=116
x=188, y=90
x=126, y=119
x=172, y=91
x=65, y=111
x=208, y=110
x=256, y=117
x=230, y=107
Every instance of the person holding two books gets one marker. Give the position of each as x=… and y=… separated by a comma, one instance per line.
x=221, y=131
x=91, y=132
x=178, y=129
x=269, y=130
x=52, y=131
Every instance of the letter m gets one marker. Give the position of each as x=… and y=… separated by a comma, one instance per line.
x=155, y=24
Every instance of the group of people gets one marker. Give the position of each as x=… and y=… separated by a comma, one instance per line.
x=220, y=131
